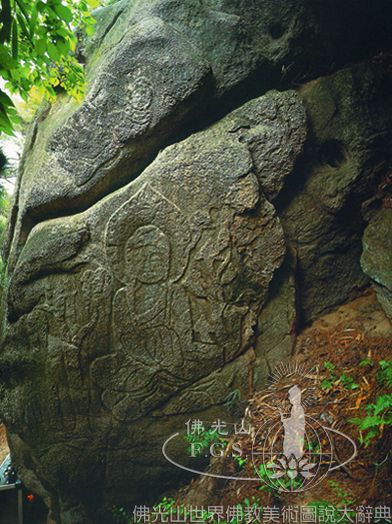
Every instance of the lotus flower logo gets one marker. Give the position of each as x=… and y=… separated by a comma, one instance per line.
x=292, y=468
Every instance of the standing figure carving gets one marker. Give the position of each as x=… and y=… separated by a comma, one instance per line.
x=147, y=246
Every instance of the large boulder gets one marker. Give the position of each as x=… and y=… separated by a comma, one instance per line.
x=128, y=318
x=161, y=69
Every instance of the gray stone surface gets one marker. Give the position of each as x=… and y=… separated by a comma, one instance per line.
x=277, y=325
x=143, y=309
x=350, y=119
x=376, y=260
x=163, y=68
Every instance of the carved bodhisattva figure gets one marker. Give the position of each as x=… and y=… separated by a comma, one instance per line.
x=147, y=296
x=148, y=363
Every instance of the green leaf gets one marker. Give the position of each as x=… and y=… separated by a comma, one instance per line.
x=348, y=382
x=329, y=366
x=383, y=403
x=90, y=30
x=6, y=21
x=40, y=46
x=5, y=100
x=33, y=20
x=63, y=12
x=22, y=25
x=368, y=422
x=326, y=384
x=62, y=46
x=65, y=33
x=385, y=374
x=41, y=7
x=6, y=60
x=22, y=6
x=370, y=436
x=5, y=123
x=15, y=43
x=53, y=52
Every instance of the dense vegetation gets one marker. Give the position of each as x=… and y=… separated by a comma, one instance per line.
x=37, y=44
x=4, y=206
x=37, y=58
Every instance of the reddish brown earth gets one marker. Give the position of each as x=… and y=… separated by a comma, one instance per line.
x=3, y=444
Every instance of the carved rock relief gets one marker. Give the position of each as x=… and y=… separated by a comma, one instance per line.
x=179, y=311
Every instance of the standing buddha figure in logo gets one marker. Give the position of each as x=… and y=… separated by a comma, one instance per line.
x=294, y=427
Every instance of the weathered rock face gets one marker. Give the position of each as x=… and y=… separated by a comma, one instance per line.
x=164, y=246
x=376, y=258
x=153, y=293
x=160, y=69
x=347, y=152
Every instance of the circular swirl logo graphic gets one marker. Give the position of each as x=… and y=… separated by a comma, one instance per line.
x=289, y=451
